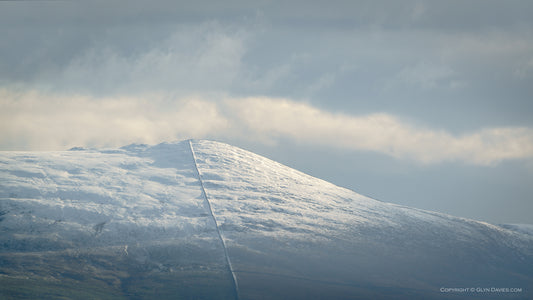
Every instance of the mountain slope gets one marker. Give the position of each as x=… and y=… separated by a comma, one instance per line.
x=131, y=222
x=201, y=219
x=308, y=232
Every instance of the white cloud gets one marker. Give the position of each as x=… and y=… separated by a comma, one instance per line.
x=32, y=120
x=384, y=133
x=38, y=121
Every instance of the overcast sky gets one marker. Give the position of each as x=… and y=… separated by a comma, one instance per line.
x=423, y=103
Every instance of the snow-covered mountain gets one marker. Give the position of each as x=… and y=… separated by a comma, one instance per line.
x=206, y=220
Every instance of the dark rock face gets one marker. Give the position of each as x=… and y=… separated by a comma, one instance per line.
x=205, y=220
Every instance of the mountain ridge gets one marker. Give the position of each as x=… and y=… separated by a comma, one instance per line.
x=287, y=234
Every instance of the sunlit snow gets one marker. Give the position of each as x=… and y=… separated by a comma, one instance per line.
x=286, y=234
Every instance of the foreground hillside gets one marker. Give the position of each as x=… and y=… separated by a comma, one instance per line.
x=205, y=220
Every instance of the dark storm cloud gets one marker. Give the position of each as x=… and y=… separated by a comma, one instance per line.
x=420, y=59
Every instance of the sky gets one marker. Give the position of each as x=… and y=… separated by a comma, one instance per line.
x=427, y=104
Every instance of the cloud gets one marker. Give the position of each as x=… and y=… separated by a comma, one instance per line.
x=426, y=75
x=384, y=133
x=204, y=56
x=34, y=120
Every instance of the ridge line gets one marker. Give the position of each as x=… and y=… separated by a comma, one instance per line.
x=228, y=261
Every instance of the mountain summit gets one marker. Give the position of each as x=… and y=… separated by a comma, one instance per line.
x=205, y=220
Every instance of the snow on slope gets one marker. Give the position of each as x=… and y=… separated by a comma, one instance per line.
x=522, y=228
x=310, y=230
x=111, y=194
x=116, y=216
x=288, y=235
